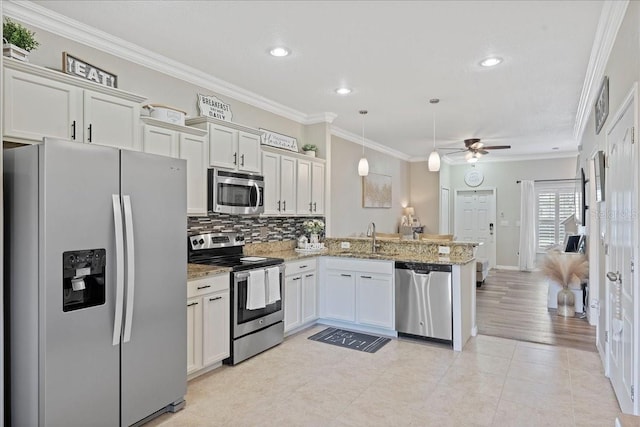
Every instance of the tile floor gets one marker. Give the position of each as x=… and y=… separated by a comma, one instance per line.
x=493, y=382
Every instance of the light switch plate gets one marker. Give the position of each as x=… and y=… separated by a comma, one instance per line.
x=345, y=245
x=444, y=249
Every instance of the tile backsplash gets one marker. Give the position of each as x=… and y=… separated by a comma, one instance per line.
x=255, y=228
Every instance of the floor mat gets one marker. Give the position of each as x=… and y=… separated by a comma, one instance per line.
x=349, y=339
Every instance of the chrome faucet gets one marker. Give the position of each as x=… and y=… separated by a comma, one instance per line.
x=371, y=232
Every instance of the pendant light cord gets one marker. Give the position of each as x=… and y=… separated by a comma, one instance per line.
x=363, y=113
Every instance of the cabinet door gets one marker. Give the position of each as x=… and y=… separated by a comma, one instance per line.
x=340, y=294
x=111, y=121
x=317, y=187
x=215, y=327
x=195, y=150
x=292, y=309
x=288, y=185
x=35, y=107
x=375, y=300
x=156, y=140
x=194, y=334
x=223, y=144
x=271, y=173
x=309, y=297
x=303, y=201
x=249, y=152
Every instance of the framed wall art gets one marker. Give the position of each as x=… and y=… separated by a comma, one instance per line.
x=602, y=105
x=376, y=191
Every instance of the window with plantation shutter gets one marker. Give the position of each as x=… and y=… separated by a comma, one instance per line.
x=554, y=203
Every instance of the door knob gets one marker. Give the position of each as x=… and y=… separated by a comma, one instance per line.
x=614, y=277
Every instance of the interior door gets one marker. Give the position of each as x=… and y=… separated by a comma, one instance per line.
x=621, y=204
x=475, y=221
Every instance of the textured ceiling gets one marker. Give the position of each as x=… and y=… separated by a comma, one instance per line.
x=395, y=55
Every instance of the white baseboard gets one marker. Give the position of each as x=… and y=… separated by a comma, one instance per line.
x=507, y=267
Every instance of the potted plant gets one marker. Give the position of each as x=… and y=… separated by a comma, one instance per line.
x=568, y=270
x=309, y=149
x=18, y=41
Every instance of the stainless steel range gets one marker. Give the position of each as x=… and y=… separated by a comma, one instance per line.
x=256, y=292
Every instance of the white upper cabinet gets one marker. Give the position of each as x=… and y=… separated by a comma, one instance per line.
x=317, y=187
x=279, y=183
x=304, y=204
x=183, y=142
x=39, y=102
x=231, y=146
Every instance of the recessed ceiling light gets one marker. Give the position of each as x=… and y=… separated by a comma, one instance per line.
x=491, y=61
x=279, y=51
x=555, y=148
x=343, y=91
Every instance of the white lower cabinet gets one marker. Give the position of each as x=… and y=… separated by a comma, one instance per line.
x=208, y=309
x=300, y=294
x=358, y=291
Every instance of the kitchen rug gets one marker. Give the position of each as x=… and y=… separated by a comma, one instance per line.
x=349, y=339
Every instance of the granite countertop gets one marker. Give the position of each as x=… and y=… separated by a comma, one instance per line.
x=292, y=255
x=198, y=271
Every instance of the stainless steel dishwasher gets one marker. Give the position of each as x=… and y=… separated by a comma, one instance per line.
x=423, y=301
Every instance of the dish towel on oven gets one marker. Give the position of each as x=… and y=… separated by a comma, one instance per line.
x=256, y=295
x=273, y=284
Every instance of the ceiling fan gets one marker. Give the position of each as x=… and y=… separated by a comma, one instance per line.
x=476, y=149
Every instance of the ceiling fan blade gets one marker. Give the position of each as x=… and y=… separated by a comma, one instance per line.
x=452, y=148
x=471, y=141
x=496, y=147
x=482, y=151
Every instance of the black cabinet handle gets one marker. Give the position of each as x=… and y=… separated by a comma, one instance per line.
x=279, y=206
x=215, y=298
x=296, y=278
x=310, y=207
x=73, y=130
x=309, y=275
x=303, y=266
x=204, y=287
x=235, y=158
x=365, y=277
x=345, y=275
x=314, y=207
x=242, y=160
x=284, y=205
x=90, y=133
x=193, y=303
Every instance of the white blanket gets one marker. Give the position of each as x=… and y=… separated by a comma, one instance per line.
x=273, y=284
x=256, y=293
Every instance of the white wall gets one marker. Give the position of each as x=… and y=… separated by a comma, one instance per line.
x=503, y=176
x=424, y=195
x=347, y=214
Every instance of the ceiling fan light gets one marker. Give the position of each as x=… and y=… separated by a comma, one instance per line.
x=472, y=159
x=434, y=161
x=363, y=167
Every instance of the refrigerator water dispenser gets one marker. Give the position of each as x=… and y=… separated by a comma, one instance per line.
x=83, y=278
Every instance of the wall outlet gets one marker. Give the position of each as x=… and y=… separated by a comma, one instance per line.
x=345, y=245
x=444, y=250
x=264, y=232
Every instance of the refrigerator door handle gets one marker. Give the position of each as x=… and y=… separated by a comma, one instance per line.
x=119, y=234
x=131, y=272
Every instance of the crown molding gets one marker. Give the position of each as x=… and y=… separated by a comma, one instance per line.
x=357, y=139
x=610, y=21
x=43, y=18
x=523, y=157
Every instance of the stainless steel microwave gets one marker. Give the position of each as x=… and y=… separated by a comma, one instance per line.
x=235, y=192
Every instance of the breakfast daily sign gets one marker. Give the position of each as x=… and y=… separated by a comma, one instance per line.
x=79, y=68
x=210, y=106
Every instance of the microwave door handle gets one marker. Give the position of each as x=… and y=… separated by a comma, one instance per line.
x=255, y=184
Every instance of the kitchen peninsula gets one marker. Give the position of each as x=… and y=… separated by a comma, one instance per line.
x=340, y=296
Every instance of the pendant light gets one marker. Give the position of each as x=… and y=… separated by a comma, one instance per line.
x=363, y=164
x=434, y=157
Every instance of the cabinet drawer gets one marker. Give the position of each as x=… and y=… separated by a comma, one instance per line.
x=351, y=264
x=302, y=266
x=206, y=285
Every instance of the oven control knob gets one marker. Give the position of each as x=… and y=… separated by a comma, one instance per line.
x=201, y=241
x=195, y=242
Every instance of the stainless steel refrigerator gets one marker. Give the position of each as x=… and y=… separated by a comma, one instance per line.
x=95, y=283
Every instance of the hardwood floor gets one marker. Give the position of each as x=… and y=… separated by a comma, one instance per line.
x=513, y=304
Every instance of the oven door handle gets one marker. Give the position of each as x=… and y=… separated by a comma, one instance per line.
x=239, y=276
